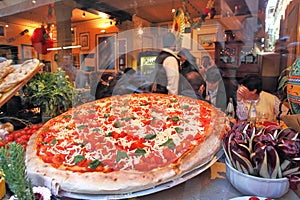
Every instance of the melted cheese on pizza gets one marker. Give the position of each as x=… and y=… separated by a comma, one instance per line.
x=130, y=132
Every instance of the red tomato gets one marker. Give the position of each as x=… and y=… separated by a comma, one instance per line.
x=253, y=198
x=168, y=154
x=2, y=144
x=10, y=137
x=34, y=127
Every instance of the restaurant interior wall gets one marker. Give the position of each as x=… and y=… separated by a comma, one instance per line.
x=214, y=27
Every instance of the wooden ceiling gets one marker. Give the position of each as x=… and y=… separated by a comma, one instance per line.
x=154, y=11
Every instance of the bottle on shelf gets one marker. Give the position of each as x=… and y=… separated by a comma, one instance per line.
x=252, y=114
x=230, y=109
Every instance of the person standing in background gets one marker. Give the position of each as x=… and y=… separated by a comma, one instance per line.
x=68, y=67
x=215, y=88
x=166, y=78
x=206, y=63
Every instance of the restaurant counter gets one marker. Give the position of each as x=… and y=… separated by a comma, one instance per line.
x=211, y=184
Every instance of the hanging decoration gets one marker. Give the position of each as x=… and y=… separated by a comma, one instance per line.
x=209, y=10
x=178, y=24
x=50, y=12
x=41, y=40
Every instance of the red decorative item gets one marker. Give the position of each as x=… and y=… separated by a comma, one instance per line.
x=41, y=40
x=206, y=11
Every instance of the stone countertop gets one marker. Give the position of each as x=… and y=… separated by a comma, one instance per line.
x=211, y=184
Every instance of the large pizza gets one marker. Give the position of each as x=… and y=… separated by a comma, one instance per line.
x=124, y=144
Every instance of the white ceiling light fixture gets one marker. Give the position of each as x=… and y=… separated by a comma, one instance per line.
x=33, y=1
x=173, y=8
x=103, y=15
x=54, y=48
x=140, y=31
x=72, y=47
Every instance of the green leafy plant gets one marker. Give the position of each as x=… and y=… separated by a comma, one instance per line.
x=12, y=164
x=51, y=91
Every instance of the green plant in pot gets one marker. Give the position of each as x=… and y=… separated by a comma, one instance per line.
x=51, y=91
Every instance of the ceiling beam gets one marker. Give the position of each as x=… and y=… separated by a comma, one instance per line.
x=93, y=5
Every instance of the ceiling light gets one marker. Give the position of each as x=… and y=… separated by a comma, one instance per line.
x=140, y=31
x=173, y=10
x=72, y=47
x=102, y=31
x=6, y=25
x=33, y=1
x=103, y=15
x=54, y=48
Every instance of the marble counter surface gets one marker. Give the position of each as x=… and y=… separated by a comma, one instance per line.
x=210, y=185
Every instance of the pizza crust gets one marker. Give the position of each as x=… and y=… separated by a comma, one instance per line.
x=212, y=144
x=122, y=182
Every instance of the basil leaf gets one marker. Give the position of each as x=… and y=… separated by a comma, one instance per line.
x=185, y=106
x=108, y=134
x=75, y=114
x=83, y=126
x=174, y=119
x=78, y=159
x=106, y=115
x=82, y=144
x=150, y=136
x=91, y=111
x=178, y=130
x=67, y=116
x=174, y=100
x=54, y=141
x=117, y=124
x=44, y=143
x=140, y=152
x=94, y=164
x=96, y=129
x=169, y=143
x=120, y=155
x=144, y=104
